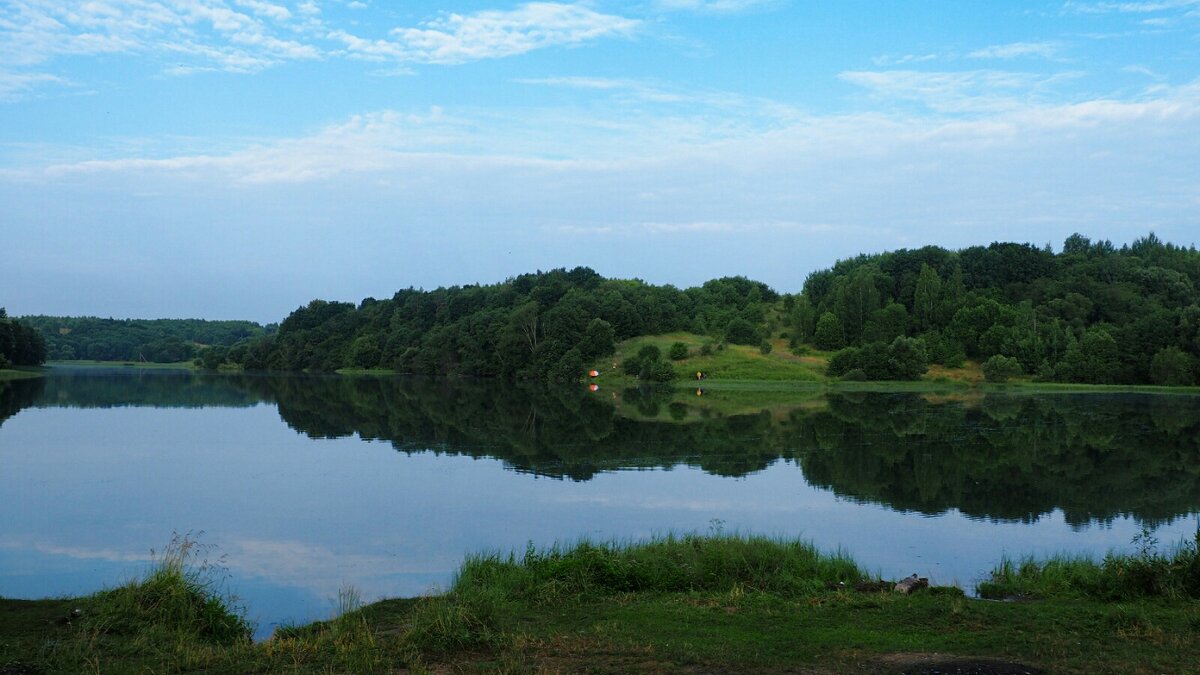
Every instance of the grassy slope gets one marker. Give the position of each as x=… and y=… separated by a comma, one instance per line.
x=687, y=604
x=18, y=374
x=734, y=362
x=176, y=365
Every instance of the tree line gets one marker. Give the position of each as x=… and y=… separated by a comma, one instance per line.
x=543, y=326
x=70, y=338
x=1091, y=313
x=20, y=343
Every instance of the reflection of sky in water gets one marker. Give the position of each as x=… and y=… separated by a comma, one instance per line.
x=89, y=492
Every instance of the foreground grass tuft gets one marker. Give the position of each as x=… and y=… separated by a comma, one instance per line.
x=180, y=599
x=668, y=564
x=1173, y=575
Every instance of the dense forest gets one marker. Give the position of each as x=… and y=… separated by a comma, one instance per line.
x=20, y=343
x=1091, y=313
x=547, y=325
x=157, y=340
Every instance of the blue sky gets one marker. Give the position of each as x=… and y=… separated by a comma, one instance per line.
x=237, y=158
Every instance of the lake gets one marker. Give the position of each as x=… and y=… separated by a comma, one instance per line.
x=301, y=486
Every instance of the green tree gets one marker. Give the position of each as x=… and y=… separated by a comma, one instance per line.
x=907, y=358
x=828, y=334
x=927, y=298
x=999, y=368
x=598, y=340
x=569, y=368
x=1092, y=359
x=886, y=324
x=1172, y=367
x=740, y=332
x=679, y=351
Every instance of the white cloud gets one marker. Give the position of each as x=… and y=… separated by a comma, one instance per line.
x=1128, y=7
x=713, y=6
x=247, y=36
x=15, y=86
x=269, y=10
x=203, y=34
x=458, y=38
x=957, y=91
x=903, y=59
x=1015, y=50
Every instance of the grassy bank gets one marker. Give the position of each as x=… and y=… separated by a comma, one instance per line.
x=150, y=365
x=8, y=374
x=683, y=604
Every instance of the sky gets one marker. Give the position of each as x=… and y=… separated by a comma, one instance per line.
x=234, y=159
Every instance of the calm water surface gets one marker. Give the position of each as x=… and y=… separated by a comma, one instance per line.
x=305, y=485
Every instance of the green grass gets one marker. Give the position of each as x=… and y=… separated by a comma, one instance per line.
x=365, y=371
x=733, y=362
x=1173, y=575
x=685, y=603
x=20, y=374
x=177, y=365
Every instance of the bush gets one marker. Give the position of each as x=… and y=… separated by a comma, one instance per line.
x=855, y=375
x=741, y=332
x=765, y=347
x=907, y=359
x=999, y=368
x=843, y=362
x=1172, y=367
x=706, y=349
x=658, y=371
x=679, y=351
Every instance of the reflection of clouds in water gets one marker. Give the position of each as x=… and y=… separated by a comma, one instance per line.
x=75, y=552
x=667, y=503
x=320, y=569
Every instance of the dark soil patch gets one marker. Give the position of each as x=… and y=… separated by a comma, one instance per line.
x=941, y=664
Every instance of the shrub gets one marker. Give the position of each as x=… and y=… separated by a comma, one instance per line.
x=659, y=371
x=842, y=362
x=999, y=368
x=741, y=332
x=679, y=351
x=1172, y=367
x=907, y=359
x=765, y=347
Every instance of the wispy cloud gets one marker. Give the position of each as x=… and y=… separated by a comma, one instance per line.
x=1015, y=50
x=1128, y=7
x=902, y=59
x=957, y=91
x=15, y=86
x=714, y=6
x=248, y=36
x=459, y=38
x=657, y=93
x=192, y=35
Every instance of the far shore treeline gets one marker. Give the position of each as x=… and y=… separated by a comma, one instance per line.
x=1091, y=313
x=20, y=343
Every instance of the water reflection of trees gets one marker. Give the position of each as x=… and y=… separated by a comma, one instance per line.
x=1011, y=457
x=1003, y=457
